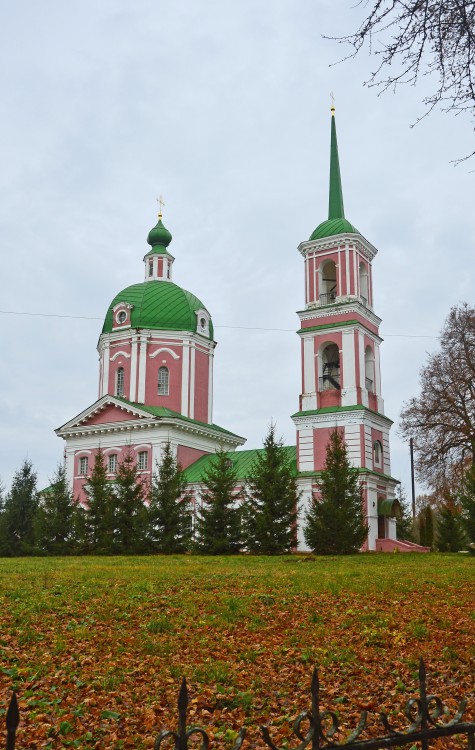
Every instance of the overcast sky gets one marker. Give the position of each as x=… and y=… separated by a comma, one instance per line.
x=222, y=107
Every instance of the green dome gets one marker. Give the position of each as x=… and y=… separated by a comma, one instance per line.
x=159, y=237
x=333, y=226
x=160, y=305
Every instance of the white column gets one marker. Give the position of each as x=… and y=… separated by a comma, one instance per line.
x=210, y=387
x=348, y=387
x=142, y=369
x=105, y=367
x=192, y=380
x=362, y=369
x=185, y=379
x=339, y=272
x=309, y=396
x=347, y=264
x=356, y=275
x=133, y=369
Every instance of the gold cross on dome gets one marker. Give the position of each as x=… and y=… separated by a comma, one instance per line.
x=332, y=97
x=161, y=203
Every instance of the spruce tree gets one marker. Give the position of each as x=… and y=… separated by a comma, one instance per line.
x=19, y=509
x=425, y=521
x=467, y=503
x=449, y=536
x=405, y=521
x=53, y=523
x=335, y=521
x=169, y=513
x=99, y=514
x=218, y=523
x=130, y=513
x=271, y=501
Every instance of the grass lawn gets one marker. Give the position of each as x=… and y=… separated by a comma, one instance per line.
x=96, y=647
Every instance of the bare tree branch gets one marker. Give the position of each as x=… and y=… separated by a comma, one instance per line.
x=422, y=38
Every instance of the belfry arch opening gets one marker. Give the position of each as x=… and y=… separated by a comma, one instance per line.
x=330, y=377
x=369, y=369
x=364, y=286
x=328, y=291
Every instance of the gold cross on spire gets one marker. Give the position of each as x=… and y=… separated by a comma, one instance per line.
x=332, y=97
x=161, y=203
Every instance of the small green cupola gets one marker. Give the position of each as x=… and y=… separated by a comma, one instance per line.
x=158, y=261
x=336, y=222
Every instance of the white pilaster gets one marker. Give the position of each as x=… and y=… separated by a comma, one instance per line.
x=192, y=380
x=347, y=264
x=133, y=369
x=348, y=387
x=105, y=367
x=142, y=369
x=185, y=379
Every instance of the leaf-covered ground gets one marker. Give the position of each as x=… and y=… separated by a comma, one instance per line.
x=96, y=647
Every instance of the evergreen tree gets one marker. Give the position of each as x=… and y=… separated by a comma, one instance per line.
x=270, y=508
x=450, y=536
x=98, y=519
x=169, y=514
x=467, y=503
x=425, y=521
x=218, y=522
x=130, y=516
x=19, y=508
x=405, y=521
x=335, y=521
x=53, y=523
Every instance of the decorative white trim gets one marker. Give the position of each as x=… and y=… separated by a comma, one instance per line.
x=192, y=380
x=105, y=368
x=142, y=369
x=118, y=354
x=185, y=379
x=80, y=453
x=327, y=243
x=147, y=446
x=163, y=349
x=347, y=269
x=133, y=369
x=210, y=387
x=345, y=306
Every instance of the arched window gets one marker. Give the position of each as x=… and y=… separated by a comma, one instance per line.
x=330, y=379
x=150, y=267
x=364, y=283
x=327, y=290
x=369, y=369
x=119, y=382
x=163, y=381
x=377, y=454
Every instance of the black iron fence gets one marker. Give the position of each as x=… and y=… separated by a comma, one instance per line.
x=317, y=729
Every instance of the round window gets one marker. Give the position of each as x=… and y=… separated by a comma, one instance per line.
x=122, y=316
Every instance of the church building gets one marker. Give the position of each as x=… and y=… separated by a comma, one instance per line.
x=156, y=354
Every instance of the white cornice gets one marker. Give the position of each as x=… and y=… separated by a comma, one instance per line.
x=340, y=418
x=352, y=305
x=335, y=241
x=174, y=338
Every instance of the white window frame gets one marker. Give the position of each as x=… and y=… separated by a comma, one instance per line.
x=378, y=454
x=112, y=463
x=142, y=460
x=83, y=466
x=163, y=382
x=120, y=382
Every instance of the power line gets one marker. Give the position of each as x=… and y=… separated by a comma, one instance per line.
x=240, y=328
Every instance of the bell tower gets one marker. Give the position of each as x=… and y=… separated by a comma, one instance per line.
x=341, y=381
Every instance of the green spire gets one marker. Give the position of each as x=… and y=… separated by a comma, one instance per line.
x=335, y=198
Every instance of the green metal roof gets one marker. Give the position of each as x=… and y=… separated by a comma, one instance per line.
x=388, y=507
x=159, y=305
x=336, y=222
x=242, y=463
x=162, y=411
x=333, y=226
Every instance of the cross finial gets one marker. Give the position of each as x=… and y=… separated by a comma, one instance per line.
x=332, y=97
x=161, y=203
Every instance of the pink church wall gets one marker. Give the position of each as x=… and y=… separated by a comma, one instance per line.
x=79, y=480
x=321, y=437
x=164, y=359
x=187, y=456
x=201, y=386
x=110, y=414
x=113, y=367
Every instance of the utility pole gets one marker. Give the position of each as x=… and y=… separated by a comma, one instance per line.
x=413, y=486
